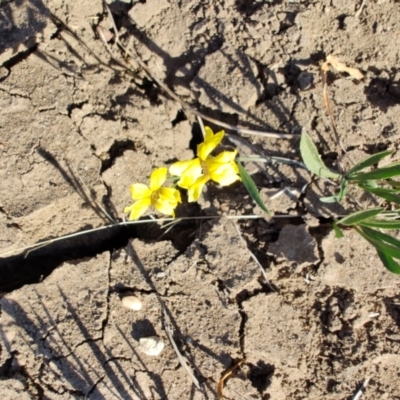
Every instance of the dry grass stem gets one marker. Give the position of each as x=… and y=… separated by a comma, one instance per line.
x=203, y=131
x=226, y=375
x=91, y=195
x=183, y=361
x=184, y=105
x=146, y=221
x=359, y=11
x=360, y=391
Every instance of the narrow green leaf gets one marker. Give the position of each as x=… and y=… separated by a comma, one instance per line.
x=329, y=199
x=251, y=188
x=379, y=223
x=369, y=184
x=338, y=197
x=343, y=189
x=389, y=263
x=382, y=237
x=385, y=248
x=387, y=194
x=379, y=173
x=359, y=216
x=369, y=161
x=338, y=232
x=312, y=159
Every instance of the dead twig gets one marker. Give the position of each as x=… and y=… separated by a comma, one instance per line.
x=91, y=194
x=184, y=105
x=359, y=11
x=341, y=67
x=226, y=375
x=183, y=361
x=341, y=149
x=360, y=391
x=203, y=131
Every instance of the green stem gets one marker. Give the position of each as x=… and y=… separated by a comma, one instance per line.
x=271, y=159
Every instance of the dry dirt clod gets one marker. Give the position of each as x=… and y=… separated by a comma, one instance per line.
x=132, y=302
x=152, y=346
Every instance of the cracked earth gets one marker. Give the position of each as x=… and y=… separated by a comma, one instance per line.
x=76, y=126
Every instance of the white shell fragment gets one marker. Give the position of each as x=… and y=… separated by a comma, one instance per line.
x=132, y=302
x=152, y=346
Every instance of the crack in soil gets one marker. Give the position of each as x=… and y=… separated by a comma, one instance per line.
x=16, y=271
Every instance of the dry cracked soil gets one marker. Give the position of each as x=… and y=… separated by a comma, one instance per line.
x=77, y=128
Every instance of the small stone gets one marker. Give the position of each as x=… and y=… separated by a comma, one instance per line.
x=132, y=302
x=4, y=72
x=224, y=207
x=152, y=346
x=305, y=80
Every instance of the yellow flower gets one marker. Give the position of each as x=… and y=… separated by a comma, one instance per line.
x=163, y=199
x=194, y=174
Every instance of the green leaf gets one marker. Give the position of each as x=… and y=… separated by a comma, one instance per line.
x=369, y=184
x=329, y=199
x=380, y=223
x=338, y=231
x=389, y=263
x=386, y=248
x=369, y=161
x=251, y=188
x=343, y=189
x=379, y=173
x=386, y=252
x=382, y=237
x=359, y=216
x=337, y=198
x=387, y=194
x=312, y=159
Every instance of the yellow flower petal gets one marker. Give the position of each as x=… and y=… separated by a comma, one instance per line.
x=208, y=133
x=190, y=175
x=178, y=196
x=210, y=143
x=225, y=176
x=163, y=207
x=157, y=178
x=139, y=191
x=224, y=157
x=194, y=191
x=170, y=194
x=137, y=209
x=219, y=168
x=178, y=168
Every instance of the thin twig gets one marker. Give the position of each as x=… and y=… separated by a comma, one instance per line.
x=91, y=195
x=359, y=11
x=272, y=159
x=203, y=131
x=182, y=360
x=360, y=391
x=226, y=375
x=145, y=221
x=123, y=223
x=341, y=149
x=184, y=105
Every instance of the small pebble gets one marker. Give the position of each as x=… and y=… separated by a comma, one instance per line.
x=152, y=346
x=305, y=80
x=132, y=302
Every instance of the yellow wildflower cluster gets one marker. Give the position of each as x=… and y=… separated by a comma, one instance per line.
x=192, y=174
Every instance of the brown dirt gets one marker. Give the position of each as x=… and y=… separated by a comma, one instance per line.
x=330, y=317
